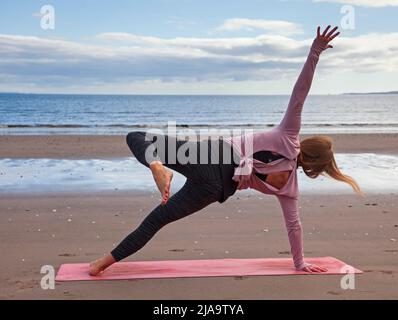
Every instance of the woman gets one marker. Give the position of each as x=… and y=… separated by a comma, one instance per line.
x=267, y=162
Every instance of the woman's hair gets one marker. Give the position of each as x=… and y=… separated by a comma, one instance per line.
x=316, y=158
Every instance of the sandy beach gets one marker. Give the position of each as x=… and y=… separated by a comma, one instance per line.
x=43, y=229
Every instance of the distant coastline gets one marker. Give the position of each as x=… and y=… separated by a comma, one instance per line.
x=176, y=95
x=358, y=93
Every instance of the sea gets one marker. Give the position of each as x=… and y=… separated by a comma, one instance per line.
x=24, y=114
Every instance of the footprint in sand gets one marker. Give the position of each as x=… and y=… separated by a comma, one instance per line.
x=381, y=271
x=177, y=250
x=334, y=293
x=284, y=252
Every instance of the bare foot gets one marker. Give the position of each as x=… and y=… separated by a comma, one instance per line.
x=162, y=178
x=98, y=266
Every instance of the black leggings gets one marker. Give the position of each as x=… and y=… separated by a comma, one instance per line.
x=202, y=187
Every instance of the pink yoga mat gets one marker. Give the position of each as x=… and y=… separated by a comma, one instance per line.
x=199, y=268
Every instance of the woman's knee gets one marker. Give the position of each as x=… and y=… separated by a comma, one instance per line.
x=133, y=136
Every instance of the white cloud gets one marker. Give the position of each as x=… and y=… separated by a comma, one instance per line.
x=119, y=59
x=274, y=26
x=364, y=3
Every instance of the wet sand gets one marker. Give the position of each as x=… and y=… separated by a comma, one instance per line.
x=87, y=147
x=43, y=229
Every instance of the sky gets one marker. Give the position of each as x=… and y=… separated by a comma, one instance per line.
x=195, y=47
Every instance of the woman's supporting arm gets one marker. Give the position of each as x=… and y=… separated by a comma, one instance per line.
x=295, y=233
x=291, y=121
x=294, y=229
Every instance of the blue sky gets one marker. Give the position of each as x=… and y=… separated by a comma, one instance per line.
x=193, y=47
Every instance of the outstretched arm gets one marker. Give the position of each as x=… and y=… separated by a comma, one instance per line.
x=291, y=122
x=295, y=233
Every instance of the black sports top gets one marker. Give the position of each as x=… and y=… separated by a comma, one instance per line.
x=228, y=170
x=266, y=157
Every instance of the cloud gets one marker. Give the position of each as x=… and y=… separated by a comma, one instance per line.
x=365, y=3
x=123, y=58
x=273, y=26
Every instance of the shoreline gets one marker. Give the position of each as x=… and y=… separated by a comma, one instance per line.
x=111, y=146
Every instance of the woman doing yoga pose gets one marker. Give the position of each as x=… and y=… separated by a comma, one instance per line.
x=266, y=161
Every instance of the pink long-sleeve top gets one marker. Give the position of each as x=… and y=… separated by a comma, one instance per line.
x=282, y=139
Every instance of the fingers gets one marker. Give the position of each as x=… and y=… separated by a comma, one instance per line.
x=331, y=32
x=334, y=36
x=326, y=30
x=315, y=269
x=328, y=35
x=165, y=198
x=318, y=269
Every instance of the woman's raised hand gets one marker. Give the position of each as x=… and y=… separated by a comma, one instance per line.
x=326, y=36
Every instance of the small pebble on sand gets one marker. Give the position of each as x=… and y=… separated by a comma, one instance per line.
x=393, y=240
x=265, y=230
x=69, y=220
x=54, y=210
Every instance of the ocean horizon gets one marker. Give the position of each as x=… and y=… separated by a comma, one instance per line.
x=93, y=114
